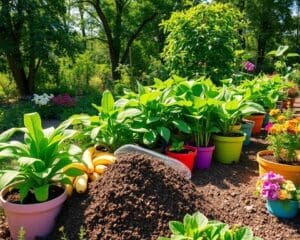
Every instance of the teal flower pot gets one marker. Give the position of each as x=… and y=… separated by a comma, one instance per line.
x=283, y=209
x=247, y=129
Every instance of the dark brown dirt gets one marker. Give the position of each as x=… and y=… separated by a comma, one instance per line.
x=14, y=196
x=271, y=158
x=135, y=200
x=136, y=204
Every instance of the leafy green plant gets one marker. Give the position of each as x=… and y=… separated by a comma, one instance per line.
x=40, y=159
x=198, y=227
x=159, y=112
x=110, y=128
x=202, y=40
x=199, y=115
x=232, y=108
x=176, y=146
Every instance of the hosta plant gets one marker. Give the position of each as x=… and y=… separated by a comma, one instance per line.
x=38, y=161
x=198, y=227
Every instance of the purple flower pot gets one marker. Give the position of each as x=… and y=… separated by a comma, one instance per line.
x=203, y=157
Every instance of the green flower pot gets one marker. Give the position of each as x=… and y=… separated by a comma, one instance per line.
x=228, y=148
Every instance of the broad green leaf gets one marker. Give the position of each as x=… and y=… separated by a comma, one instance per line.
x=73, y=172
x=59, y=164
x=165, y=133
x=95, y=132
x=41, y=193
x=66, y=181
x=149, y=138
x=128, y=113
x=200, y=219
x=281, y=50
x=292, y=55
x=7, y=177
x=24, y=188
x=107, y=102
x=29, y=162
x=6, y=135
x=182, y=126
x=243, y=233
x=7, y=154
x=33, y=123
x=176, y=228
x=74, y=150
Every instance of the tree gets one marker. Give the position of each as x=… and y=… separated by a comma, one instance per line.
x=269, y=21
x=202, y=41
x=31, y=31
x=123, y=21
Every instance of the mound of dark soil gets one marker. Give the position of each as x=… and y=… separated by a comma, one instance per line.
x=135, y=199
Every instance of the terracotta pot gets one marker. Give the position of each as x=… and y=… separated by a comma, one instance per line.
x=186, y=158
x=228, y=149
x=258, y=122
x=289, y=172
x=37, y=219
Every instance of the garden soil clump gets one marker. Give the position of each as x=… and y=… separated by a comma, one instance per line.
x=135, y=199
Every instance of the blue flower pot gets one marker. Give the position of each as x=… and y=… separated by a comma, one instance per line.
x=247, y=129
x=283, y=209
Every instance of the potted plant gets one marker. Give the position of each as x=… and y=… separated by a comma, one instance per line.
x=203, y=126
x=184, y=153
x=281, y=195
x=32, y=191
x=284, y=142
x=232, y=109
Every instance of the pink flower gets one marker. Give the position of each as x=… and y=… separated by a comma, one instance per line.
x=268, y=126
x=249, y=66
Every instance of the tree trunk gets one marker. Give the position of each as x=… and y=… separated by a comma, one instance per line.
x=18, y=72
x=261, y=49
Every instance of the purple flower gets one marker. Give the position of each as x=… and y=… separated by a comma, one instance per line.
x=273, y=178
x=249, y=66
x=270, y=190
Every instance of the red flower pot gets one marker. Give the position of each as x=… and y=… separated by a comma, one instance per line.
x=187, y=158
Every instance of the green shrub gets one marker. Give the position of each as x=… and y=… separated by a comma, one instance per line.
x=202, y=41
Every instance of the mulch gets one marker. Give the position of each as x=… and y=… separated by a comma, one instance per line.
x=137, y=197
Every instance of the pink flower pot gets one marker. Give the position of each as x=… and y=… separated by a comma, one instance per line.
x=203, y=157
x=36, y=219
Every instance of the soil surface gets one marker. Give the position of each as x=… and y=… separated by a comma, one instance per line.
x=14, y=196
x=136, y=200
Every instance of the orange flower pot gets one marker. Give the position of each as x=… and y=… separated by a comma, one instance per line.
x=287, y=171
x=258, y=122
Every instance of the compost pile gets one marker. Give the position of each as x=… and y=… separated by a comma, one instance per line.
x=135, y=199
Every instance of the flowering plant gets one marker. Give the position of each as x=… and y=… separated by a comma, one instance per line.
x=64, y=100
x=284, y=136
x=43, y=99
x=272, y=186
x=249, y=66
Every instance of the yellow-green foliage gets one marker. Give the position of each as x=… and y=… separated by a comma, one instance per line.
x=7, y=86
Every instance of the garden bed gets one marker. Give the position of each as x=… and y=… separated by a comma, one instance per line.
x=227, y=190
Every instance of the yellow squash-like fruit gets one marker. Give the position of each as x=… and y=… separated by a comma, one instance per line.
x=80, y=183
x=104, y=160
x=94, y=176
x=87, y=159
x=80, y=166
x=99, y=154
x=100, y=168
x=69, y=189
